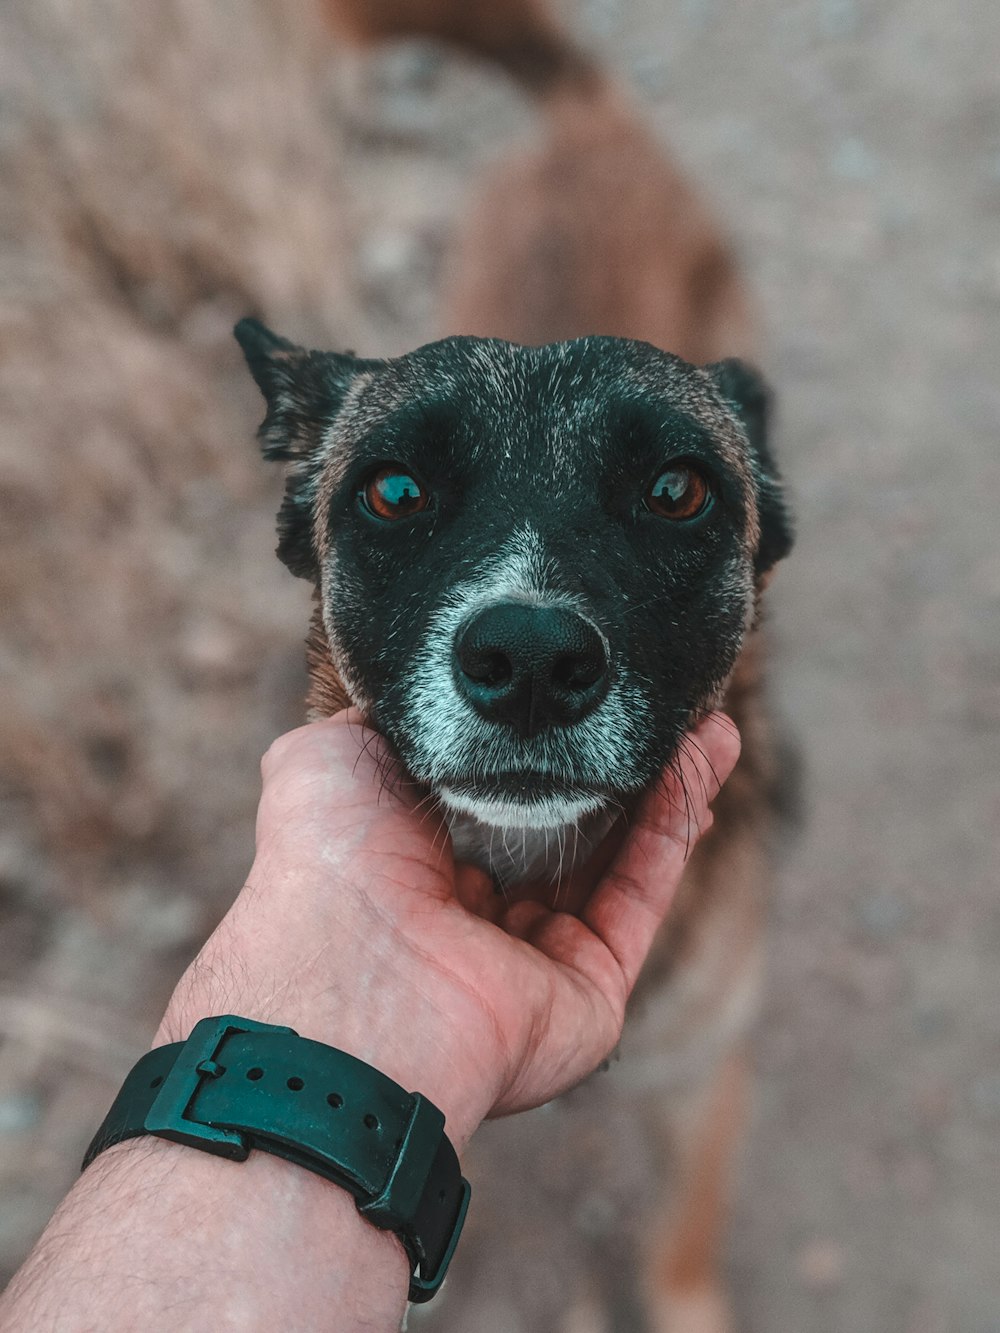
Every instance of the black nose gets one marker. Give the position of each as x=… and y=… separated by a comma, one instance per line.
x=531, y=666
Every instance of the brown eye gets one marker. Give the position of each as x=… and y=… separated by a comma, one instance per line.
x=392, y=493
x=678, y=493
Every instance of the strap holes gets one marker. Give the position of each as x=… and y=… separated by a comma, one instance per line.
x=295, y=1084
x=335, y=1100
x=371, y=1121
x=157, y=1081
x=254, y=1074
x=442, y=1195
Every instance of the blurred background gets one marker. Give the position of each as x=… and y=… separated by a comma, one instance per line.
x=168, y=167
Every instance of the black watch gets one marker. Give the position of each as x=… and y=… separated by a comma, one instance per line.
x=236, y=1085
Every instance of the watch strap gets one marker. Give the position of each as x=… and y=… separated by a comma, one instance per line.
x=236, y=1084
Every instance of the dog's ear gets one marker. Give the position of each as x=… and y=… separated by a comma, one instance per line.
x=746, y=392
x=304, y=392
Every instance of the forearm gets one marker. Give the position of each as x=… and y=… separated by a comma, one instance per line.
x=157, y=1234
x=154, y=1226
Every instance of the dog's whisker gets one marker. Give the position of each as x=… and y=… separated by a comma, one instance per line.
x=560, y=885
x=686, y=746
x=443, y=834
x=682, y=781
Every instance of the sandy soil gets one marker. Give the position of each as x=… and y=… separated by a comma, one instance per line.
x=854, y=150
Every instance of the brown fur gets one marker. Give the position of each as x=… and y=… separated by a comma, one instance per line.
x=685, y=1247
x=326, y=691
x=596, y=231
x=544, y=257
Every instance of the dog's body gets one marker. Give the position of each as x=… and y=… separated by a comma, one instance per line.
x=517, y=584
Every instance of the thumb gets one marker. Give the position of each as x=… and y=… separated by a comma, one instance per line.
x=632, y=900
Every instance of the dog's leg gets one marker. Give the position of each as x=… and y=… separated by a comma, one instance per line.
x=685, y=1292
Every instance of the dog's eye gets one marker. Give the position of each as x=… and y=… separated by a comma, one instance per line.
x=679, y=492
x=392, y=493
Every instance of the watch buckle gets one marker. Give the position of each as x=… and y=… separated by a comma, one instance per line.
x=168, y=1116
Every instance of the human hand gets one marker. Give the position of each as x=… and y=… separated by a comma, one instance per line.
x=357, y=928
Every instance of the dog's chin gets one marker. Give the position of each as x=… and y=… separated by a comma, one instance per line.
x=517, y=840
x=555, y=811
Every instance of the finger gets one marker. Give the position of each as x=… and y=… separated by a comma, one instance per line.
x=522, y=919
x=339, y=761
x=474, y=890
x=311, y=739
x=630, y=903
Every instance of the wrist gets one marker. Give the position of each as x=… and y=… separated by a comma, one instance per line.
x=416, y=1065
x=348, y=999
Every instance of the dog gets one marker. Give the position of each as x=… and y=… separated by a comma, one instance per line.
x=538, y=548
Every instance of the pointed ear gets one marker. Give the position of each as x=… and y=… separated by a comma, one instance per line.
x=747, y=393
x=304, y=392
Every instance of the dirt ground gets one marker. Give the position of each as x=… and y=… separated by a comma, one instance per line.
x=854, y=151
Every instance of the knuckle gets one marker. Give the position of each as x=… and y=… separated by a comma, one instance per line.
x=281, y=749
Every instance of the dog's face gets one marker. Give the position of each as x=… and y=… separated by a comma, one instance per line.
x=536, y=565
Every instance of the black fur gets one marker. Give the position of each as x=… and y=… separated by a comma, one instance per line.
x=743, y=387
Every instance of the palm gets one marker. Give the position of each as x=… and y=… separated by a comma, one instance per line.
x=538, y=994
